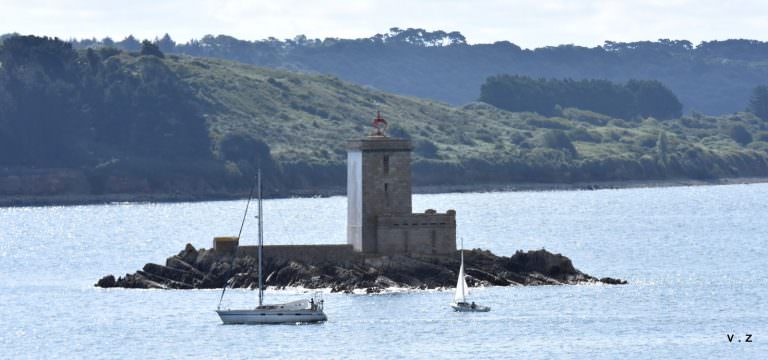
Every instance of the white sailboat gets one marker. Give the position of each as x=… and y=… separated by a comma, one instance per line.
x=462, y=292
x=300, y=311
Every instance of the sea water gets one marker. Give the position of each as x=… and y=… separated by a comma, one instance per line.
x=695, y=259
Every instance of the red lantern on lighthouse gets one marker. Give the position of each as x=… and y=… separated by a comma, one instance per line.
x=380, y=125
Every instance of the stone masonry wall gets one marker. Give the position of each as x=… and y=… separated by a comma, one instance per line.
x=384, y=192
x=417, y=234
x=304, y=253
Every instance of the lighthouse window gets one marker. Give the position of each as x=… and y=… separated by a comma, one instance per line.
x=386, y=164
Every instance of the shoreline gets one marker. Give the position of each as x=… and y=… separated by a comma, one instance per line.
x=591, y=185
x=90, y=199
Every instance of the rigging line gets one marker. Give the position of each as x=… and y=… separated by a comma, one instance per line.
x=261, y=244
x=247, y=204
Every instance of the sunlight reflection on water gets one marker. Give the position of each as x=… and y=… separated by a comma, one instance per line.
x=693, y=255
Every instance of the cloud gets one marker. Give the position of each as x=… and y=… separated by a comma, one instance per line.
x=526, y=23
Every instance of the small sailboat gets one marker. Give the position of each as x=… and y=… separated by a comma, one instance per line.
x=462, y=292
x=299, y=311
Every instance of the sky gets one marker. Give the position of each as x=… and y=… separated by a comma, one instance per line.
x=529, y=24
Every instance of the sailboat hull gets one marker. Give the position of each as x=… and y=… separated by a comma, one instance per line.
x=464, y=307
x=256, y=317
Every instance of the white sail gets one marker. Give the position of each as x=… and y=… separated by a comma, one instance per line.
x=462, y=290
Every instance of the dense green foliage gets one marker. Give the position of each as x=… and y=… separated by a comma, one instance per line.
x=636, y=98
x=63, y=108
x=740, y=134
x=714, y=77
x=132, y=122
x=758, y=104
x=150, y=48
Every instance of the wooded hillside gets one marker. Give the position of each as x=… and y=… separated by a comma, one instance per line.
x=107, y=121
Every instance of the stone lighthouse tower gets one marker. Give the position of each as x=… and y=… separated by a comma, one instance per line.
x=379, y=213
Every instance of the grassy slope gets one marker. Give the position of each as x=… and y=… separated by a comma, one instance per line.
x=307, y=119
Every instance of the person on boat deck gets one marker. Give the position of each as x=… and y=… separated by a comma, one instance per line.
x=312, y=303
x=473, y=304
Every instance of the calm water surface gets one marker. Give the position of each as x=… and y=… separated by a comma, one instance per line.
x=695, y=258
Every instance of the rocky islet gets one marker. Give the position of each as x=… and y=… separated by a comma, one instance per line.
x=207, y=268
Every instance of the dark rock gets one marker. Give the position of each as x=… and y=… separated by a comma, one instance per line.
x=612, y=281
x=205, y=269
x=131, y=281
x=487, y=277
x=404, y=269
x=290, y=274
x=165, y=271
x=541, y=261
x=189, y=254
x=205, y=259
x=177, y=263
x=106, y=282
x=385, y=282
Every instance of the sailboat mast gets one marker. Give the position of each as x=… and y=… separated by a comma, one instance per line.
x=261, y=245
x=239, y=233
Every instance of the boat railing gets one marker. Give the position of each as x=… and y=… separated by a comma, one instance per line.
x=317, y=301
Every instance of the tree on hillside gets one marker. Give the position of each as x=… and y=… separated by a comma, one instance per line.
x=713, y=77
x=653, y=99
x=636, y=98
x=108, y=42
x=236, y=147
x=39, y=77
x=166, y=44
x=426, y=148
x=248, y=153
x=61, y=107
x=129, y=44
x=558, y=140
x=758, y=104
x=517, y=93
x=740, y=134
x=148, y=48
